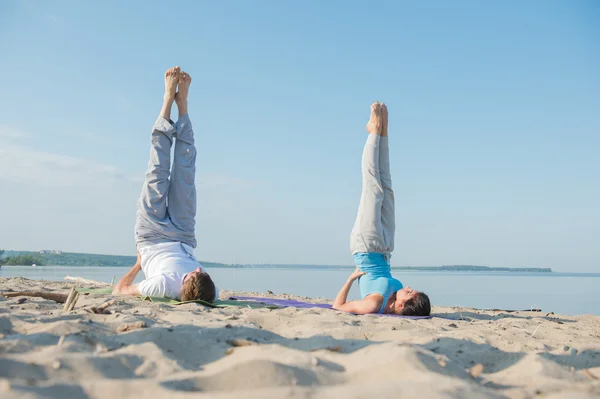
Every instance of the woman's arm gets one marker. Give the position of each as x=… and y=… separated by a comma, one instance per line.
x=364, y=306
x=341, y=297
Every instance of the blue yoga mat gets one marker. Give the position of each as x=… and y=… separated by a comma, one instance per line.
x=299, y=304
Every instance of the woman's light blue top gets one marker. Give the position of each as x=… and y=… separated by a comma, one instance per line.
x=378, y=279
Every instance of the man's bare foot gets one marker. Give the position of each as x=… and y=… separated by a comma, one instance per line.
x=375, y=122
x=384, y=120
x=171, y=80
x=185, y=80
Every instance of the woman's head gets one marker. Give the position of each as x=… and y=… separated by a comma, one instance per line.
x=198, y=285
x=411, y=303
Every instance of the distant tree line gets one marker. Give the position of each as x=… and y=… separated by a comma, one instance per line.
x=63, y=259
x=70, y=259
x=20, y=260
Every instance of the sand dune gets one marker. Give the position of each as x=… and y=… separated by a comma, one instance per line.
x=192, y=351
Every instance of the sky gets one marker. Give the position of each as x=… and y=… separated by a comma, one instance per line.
x=494, y=125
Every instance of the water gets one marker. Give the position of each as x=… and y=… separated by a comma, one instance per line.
x=565, y=293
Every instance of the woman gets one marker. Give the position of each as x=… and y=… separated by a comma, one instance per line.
x=372, y=238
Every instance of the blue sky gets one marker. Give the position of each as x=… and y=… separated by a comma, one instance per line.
x=494, y=125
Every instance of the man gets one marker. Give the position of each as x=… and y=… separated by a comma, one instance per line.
x=166, y=211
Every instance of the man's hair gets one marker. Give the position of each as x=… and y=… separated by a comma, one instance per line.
x=198, y=286
x=419, y=305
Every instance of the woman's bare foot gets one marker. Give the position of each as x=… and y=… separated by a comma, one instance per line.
x=384, y=120
x=375, y=122
x=185, y=80
x=171, y=81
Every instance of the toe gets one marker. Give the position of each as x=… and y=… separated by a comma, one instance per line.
x=375, y=109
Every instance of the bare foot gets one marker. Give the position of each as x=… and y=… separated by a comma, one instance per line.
x=171, y=80
x=375, y=122
x=185, y=80
x=384, y=120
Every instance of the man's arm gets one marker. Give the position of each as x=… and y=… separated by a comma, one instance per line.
x=124, y=286
x=364, y=306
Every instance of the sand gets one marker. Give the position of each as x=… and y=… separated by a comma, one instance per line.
x=190, y=351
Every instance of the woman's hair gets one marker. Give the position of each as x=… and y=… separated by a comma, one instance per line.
x=198, y=286
x=418, y=305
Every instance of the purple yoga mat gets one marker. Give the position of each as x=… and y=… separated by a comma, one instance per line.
x=299, y=304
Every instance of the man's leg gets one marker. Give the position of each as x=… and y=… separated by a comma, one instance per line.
x=152, y=221
x=388, y=217
x=367, y=234
x=182, y=192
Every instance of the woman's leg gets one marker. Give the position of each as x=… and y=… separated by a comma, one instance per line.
x=367, y=234
x=152, y=218
x=388, y=217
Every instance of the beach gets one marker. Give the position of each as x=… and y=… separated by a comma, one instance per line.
x=191, y=350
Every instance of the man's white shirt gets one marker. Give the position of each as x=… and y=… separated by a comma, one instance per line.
x=165, y=266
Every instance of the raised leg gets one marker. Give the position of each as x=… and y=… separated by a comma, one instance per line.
x=367, y=234
x=152, y=218
x=388, y=217
x=182, y=192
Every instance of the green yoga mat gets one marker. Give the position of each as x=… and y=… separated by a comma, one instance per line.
x=105, y=290
x=169, y=301
x=216, y=304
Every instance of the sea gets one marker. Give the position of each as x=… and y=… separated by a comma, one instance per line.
x=564, y=293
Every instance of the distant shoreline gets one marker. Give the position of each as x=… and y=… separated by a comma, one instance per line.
x=445, y=268
x=59, y=258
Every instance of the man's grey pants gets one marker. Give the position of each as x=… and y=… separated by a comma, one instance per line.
x=166, y=210
x=375, y=224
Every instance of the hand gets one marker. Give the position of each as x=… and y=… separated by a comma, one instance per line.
x=356, y=274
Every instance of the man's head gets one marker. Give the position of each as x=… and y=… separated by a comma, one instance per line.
x=411, y=303
x=198, y=285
